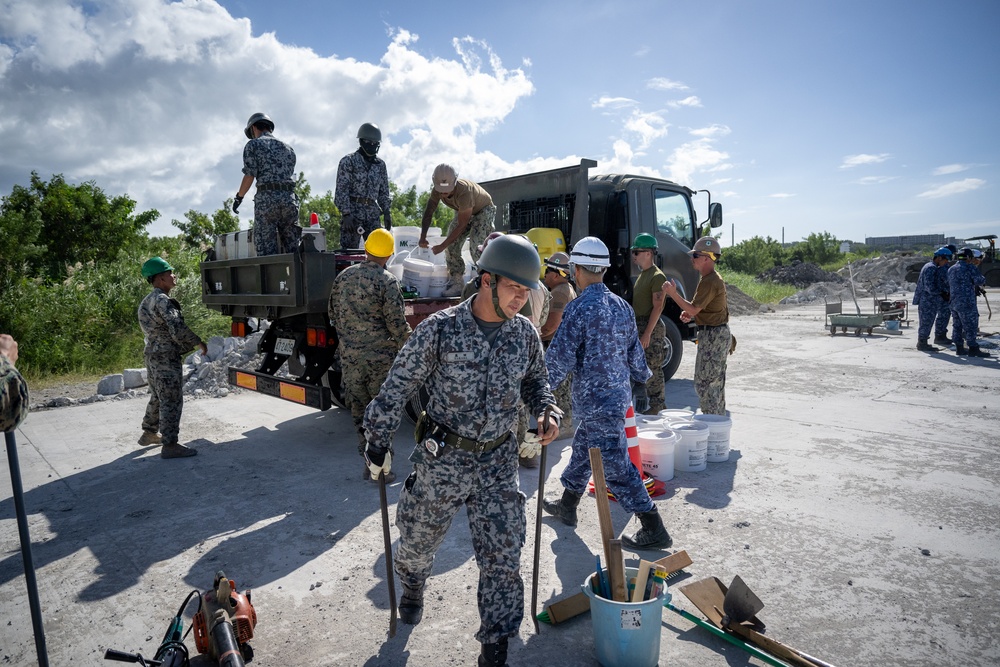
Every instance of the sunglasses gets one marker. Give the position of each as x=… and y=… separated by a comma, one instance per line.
x=641, y=250
x=696, y=255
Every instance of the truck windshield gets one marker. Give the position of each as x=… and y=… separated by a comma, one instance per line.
x=673, y=216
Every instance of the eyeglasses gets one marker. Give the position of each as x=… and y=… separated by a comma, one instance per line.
x=636, y=251
x=696, y=255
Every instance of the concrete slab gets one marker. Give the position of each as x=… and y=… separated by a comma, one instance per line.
x=860, y=503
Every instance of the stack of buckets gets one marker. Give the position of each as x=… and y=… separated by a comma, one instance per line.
x=679, y=440
x=419, y=268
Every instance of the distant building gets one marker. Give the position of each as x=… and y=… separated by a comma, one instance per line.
x=909, y=241
x=845, y=247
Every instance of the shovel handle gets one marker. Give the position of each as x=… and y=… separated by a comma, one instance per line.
x=732, y=639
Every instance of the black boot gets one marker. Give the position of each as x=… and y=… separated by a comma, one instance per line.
x=960, y=349
x=494, y=655
x=565, y=508
x=976, y=351
x=924, y=347
x=942, y=340
x=652, y=535
x=411, y=605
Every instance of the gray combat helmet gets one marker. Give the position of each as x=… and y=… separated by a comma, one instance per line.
x=514, y=257
x=370, y=132
x=257, y=118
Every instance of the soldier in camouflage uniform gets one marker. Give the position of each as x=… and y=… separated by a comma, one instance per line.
x=558, y=280
x=929, y=294
x=647, y=301
x=362, y=190
x=14, y=399
x=710, y=312
x=168, y=338
x=474, y=214
x=366, y=307
x=599, y=343
x=476, y=360
x=944, y=310
x=271, y=162
x=963, y=279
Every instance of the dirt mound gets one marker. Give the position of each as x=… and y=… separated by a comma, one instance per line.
x=800, y=274
x=880, y=276
x=739, y=302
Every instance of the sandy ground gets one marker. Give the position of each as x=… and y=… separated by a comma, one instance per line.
x=860, y=503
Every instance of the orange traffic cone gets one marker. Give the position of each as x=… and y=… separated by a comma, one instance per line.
x=653, y=487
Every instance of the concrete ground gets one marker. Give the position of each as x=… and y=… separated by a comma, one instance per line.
x=860, y=503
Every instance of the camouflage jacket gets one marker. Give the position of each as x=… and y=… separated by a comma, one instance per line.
x=598, y=342
x=163, y=326
x=14, y=399
x=269, y=160
x=366, y=307
x=963, y=277
x=358, y=177
x=473, y=388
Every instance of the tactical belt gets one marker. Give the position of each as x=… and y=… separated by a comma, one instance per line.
x=364, y=201
x=435, y=437
x=703, y=327
x=282, y=187
x=472, y=445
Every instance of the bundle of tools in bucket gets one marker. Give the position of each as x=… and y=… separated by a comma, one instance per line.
x=731, y=611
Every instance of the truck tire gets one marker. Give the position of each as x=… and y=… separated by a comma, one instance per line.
x=673, y=350
x=337, y=392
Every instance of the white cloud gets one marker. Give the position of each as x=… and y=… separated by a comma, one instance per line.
x=863, y=159
x=710, y=132
x=660, y=83
x=781, y=195
x=874, y=180
x=695, y=156
x=950, y=169
x=953, y=188
x=692, y=101
x=648, y=125
x=606, y=102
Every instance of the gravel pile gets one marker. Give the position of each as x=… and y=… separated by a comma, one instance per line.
x=800, y=274
x=882, y=276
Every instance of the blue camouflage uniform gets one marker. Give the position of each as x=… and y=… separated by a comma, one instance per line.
x=474, y=389
x=362, y=197
x=963, y=277
x=944, y=310
x=276, y=226
x=928, y=297
x=598, y=343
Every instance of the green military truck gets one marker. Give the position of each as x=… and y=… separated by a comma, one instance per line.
x=614, y=208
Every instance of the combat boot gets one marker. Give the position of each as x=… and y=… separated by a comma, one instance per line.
x=411, y=604
x=960, y=349
x=176, y=451
x=942, y=340
x=565, y=508
x=149, y=438
x=494, y=655
x=652, y=535
x=924, y=347
x=976, y=351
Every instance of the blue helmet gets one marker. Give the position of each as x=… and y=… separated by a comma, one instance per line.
x=943, y=252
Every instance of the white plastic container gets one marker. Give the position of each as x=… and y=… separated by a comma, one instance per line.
x=417, y=274
x=396, y=270
x=719, y=427
x=315, y=234
x=428, y=255
x=674, y=414
x=406, y=238
x=656, y=447
x=691, y=451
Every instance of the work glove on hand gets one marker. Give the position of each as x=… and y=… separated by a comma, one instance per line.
x=640, y=400
x=980, y=291
x=236, y=203
x=531, y=447
x=387, y=218
x=379, y=460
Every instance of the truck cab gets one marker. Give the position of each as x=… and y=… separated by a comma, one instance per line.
x=614, y=208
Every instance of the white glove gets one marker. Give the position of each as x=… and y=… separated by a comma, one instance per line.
x=378, y=462
x=531, y=447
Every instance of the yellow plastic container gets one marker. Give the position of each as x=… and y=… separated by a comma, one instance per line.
x=548, y=240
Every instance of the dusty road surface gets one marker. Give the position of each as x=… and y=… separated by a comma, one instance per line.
x=860, y=503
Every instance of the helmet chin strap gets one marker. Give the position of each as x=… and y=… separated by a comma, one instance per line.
x=496, y=299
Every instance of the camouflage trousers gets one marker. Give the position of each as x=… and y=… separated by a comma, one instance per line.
x=941, y=322
x=363, y=375
x=927, y=313
x=563, y=398
x=479, y=228
x=487, y=486
x=350, y=237
x=276, y=227
x=656, y=354
x=710, y=368
x=166, y=397
x=622, y=477
x=965, y=323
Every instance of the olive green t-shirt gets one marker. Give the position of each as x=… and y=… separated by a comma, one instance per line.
x=466, y=195
x=648, y=283
x=710, y=296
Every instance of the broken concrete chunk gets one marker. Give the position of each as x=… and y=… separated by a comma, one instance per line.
x=111, y=385
x=135, y=377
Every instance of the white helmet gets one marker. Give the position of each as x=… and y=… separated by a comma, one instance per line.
x=590, y=251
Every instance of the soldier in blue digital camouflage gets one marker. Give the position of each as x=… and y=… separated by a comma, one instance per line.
x=963, y=279
x=14, y=400
x=476, y=361
x=944, y=310
x=598, y=343
x=362, y=189
x=366, y=308
x=474, y=214
x=271, y=162
x=929, y=294
x=168, y=338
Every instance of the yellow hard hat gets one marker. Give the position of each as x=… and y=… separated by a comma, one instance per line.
x=380, y=243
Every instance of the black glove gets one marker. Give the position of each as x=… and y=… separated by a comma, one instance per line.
x=388, y=221
x=640, y=400
x=980, y=291
x=236, y=203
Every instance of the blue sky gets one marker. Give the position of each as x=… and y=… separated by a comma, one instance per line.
x=854, y=118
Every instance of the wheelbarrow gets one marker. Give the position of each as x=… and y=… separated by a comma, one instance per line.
x=857, y=322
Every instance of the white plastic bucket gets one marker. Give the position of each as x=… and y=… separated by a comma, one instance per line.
x=718, y=436
x=398, y=257
x=396, y=270
x=626, y=634
x=417, y=274
x=691, y=451
x=406, y=238
x=438, y=280
x=428, y=255
x=674, y=414
x=656, y=447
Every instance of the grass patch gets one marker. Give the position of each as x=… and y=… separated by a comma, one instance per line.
x=762, y=292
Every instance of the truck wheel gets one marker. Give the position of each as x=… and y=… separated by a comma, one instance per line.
x=337, y=392
x=673, y=350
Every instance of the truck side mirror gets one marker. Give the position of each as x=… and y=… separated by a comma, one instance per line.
x=715, y=214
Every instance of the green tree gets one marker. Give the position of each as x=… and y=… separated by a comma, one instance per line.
x=20, y=229
x=753, y=256
x=817, y=248
x=199, y=231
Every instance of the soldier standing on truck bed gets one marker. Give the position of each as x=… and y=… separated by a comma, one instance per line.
x=475, y=360
x=366, y=307
x=167, y=339
x=362, y=189
x=474, y=214
x=271, y=162
x=647, y=301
